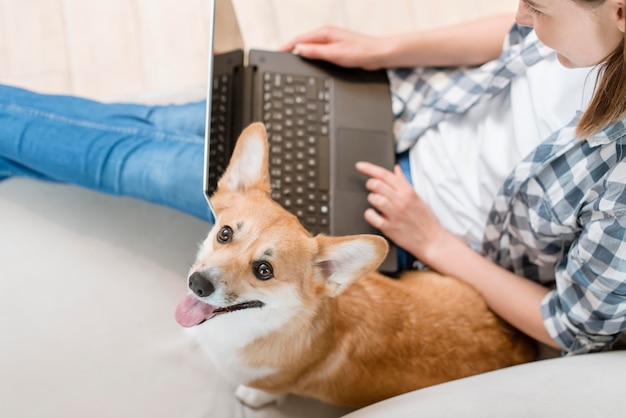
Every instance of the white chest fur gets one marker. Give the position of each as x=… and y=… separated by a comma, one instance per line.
x=223, y=338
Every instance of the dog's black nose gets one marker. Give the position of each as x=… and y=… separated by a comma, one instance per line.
x=201, y=285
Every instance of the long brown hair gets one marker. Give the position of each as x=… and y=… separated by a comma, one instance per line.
x=608, y=104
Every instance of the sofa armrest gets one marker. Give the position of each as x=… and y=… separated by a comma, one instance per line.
x=577, y=386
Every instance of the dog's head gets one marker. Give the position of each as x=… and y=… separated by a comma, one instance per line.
x=257, y=259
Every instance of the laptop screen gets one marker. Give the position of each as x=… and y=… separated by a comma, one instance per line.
x=207, y=122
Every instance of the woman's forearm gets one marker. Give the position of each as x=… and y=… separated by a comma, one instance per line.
x=515, y=299
x=465, y=44
x=400, y=214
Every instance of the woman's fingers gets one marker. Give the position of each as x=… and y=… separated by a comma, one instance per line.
x=338, y=46
x=373, y=218
x=376, y=172
x=317, y=36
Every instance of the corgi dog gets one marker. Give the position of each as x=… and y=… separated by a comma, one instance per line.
x=279, y=311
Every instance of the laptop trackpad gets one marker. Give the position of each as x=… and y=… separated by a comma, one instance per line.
x=351, y=198
x=359, y=145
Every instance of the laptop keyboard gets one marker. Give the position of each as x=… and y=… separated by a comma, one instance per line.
x=296, y=113
x=218, y=152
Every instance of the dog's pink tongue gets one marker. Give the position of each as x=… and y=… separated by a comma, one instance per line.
x=190, y=311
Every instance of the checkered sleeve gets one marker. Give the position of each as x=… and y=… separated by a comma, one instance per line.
x=422, y=97
x=587, y=310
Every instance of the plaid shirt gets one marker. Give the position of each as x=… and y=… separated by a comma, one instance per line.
x=560, y=217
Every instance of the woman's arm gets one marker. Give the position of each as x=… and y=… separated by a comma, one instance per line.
x=405, y=219
x=515, y=299
x=465, y=44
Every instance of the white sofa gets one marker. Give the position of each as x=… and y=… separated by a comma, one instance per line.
x=89, y=283
x=87, y=296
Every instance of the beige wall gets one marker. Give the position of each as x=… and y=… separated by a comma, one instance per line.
x=112, y=49
x=290, y=17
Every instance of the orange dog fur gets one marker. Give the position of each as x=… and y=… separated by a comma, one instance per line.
x=279, y=311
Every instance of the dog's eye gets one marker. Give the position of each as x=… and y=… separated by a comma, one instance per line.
x=225, y=235
x=262, y=270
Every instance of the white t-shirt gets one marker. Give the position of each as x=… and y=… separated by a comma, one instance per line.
x=458, y=166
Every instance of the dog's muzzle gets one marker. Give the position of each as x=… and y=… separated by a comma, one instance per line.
x=201, y=285
x=192, y=311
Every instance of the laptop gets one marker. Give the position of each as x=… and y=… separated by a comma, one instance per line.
x=320, y=119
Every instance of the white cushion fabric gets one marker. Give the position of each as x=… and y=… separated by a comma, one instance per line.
x=589, y=385
x=88, y=288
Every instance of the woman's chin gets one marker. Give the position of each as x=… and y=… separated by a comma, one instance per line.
x=565, y=62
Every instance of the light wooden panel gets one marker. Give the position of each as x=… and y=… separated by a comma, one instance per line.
x=125, y=49
x=379, y=17
x=32, y=44
x=105, y=54
x=292, y=17
x=53, y=82
x=172, y=40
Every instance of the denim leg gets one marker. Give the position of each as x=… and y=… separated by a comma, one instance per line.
x=406, y=260
x=9, y=169
x=188, y=117
x=130, y=150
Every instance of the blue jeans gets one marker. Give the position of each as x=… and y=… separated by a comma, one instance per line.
x=406, y=261
x=154, y=153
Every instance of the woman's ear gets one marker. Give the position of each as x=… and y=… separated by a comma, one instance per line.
x=619, y=14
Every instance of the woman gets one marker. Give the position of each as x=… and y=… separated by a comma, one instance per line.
x=559, y=217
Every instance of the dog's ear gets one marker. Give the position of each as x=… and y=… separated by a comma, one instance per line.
x=343, y=260
x=248, y=167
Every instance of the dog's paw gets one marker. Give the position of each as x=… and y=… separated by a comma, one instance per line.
x=255, y=398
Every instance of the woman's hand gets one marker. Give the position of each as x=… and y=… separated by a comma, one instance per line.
x=465, y=44
x=340, y=46
x=400, y=213
x=405, y=219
